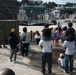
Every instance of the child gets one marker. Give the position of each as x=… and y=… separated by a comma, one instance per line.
x=46, y=33
x=56, y=37
x=61, y=61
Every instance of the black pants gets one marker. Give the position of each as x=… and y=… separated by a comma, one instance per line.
x=37, y=40
x=24, y=49
x=46, y=57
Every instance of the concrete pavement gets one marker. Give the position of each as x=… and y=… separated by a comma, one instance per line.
x=30, y=65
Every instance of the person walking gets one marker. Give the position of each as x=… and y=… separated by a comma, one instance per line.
x=13, y=41
x=25, y=40
x=46, y=54
x=69, y=45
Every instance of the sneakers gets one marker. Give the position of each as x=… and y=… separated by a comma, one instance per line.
x=70, y=71
x=43, y=72
x=50, y=72
x=65, y=71
x=10, y=60
x=14, y=61
x=5, y=46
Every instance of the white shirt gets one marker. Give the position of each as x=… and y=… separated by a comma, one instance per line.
x=47, y=45
x=69, y=47
x=27, y=37
x=38, y=36
x=61, y=61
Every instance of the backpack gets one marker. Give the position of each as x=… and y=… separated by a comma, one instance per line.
x=24, y=38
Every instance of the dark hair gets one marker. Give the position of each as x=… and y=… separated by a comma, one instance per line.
x=7, y=71
x=46, y=25
x=64, y=28
x=56, y=28
x=24, y=29
x=62, y=56
x=37, y=32
x=70, y=24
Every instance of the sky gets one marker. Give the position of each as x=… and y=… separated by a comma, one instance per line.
x=60, y=1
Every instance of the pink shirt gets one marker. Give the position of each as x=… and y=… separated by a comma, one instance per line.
x=57, y=34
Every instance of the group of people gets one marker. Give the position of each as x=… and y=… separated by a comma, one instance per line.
x=14, y=43
x=48, y=40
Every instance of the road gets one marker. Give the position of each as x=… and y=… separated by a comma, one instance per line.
x=39, y=28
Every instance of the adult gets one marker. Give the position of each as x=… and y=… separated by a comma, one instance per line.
x=25, y=40
x=52, y=33
x=46, y=54
x=59, y=27
x=13, y=41
x=69, y=45
x=62, y=35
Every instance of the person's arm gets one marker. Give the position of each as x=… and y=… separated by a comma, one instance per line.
x=29, y=37
x=40, y=43
x=64, y=45
x=52, y=44
x=21, y=36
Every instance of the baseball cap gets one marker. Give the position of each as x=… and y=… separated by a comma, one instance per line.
x=70, y=24
x=12, y=30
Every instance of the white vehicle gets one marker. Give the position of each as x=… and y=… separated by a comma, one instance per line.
x=56, y=13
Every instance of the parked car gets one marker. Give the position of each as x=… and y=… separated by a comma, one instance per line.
x=38, y=23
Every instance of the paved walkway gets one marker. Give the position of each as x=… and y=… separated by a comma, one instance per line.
x=30, y=65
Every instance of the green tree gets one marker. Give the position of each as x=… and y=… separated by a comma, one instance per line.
x=9, y=8
x=70, y=4
x=50, y=4
x=25, y=1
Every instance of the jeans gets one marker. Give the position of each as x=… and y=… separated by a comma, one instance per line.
x=46, y=57
x=69, y=63
x=13, y=52
x=46, y=38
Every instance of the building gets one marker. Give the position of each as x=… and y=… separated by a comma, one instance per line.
x=33, y=11
x=66, y=12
